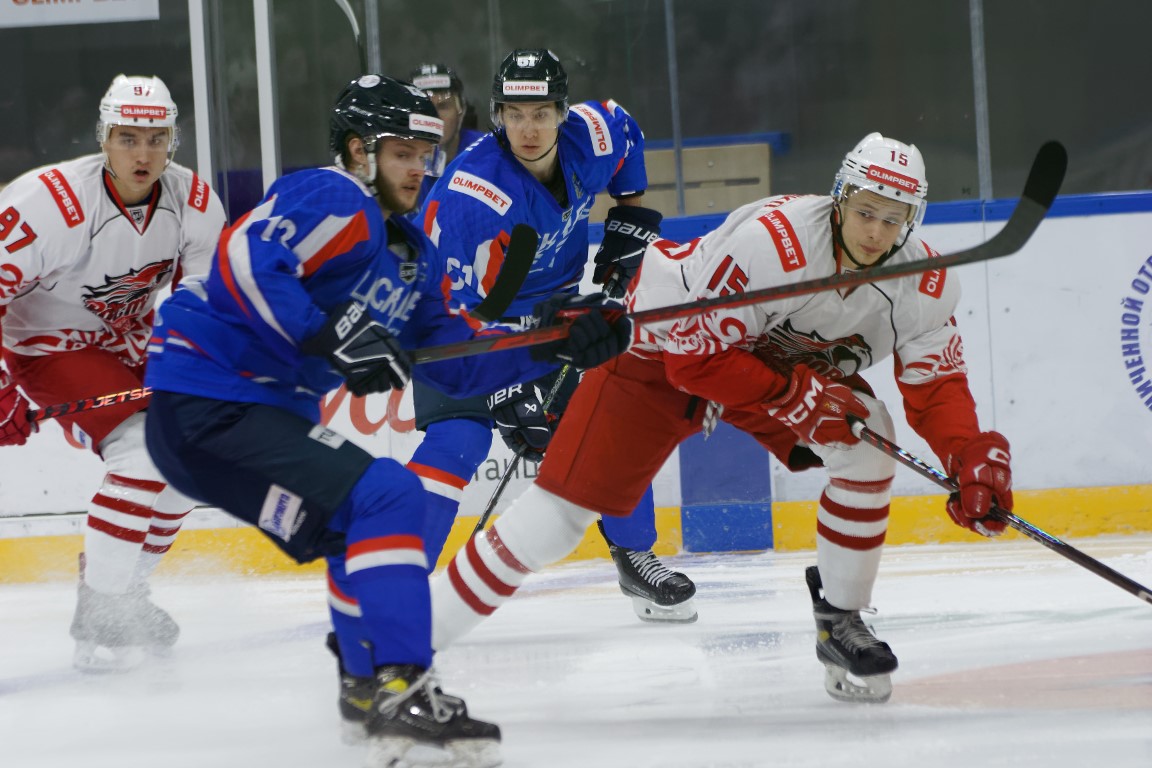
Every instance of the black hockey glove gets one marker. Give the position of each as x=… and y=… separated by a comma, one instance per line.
x=519, y=414
x=361, y=350
x=628, y=229
x=598, y=329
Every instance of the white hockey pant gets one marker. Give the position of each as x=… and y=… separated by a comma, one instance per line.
x=536, y=531
x=134, y=516
x=852, y=517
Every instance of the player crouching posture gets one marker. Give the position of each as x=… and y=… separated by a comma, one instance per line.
x=320, y=284
x=787, y=373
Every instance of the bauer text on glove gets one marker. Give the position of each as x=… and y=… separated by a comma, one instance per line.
x=519, y=415
x=628, y=229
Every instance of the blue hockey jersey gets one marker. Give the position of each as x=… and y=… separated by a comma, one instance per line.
x=485, y=192
x=468, y=136
x=316, y=240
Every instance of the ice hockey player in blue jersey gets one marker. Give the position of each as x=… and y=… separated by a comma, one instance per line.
x=446, y=90
x=321, y=285
x=542, y=166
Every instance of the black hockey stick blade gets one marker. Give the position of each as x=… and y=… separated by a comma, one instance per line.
x=518, y=258
x=1041, y=188
x=1008, y=518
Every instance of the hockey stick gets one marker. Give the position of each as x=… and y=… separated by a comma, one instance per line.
x=88, y=404
x=511, y=468
x=1040, y=190
x=518, y=258
x=1003, y=515
x=361, y=53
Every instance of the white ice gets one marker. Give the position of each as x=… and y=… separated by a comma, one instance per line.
x=1009, y=656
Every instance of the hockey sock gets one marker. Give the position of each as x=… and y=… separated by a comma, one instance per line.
x=637, y=530
x=445, y=462
x=537, y=530
x=385, y=565
x=119, y=517
x=168, y=513
x=355, y=646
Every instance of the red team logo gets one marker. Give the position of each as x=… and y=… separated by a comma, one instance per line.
x=122, y=300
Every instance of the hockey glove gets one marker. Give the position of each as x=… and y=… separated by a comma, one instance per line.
x=361, y=350
x=628, y=229
x=520, y=417
x=598, y=329
x=981, y=468
x=14, y=424
x=817, y=409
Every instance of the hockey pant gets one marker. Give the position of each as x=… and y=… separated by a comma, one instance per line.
x=314, y=494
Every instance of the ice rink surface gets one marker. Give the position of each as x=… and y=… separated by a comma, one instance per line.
x=1009, y=656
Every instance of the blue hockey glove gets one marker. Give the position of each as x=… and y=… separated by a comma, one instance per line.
x=628, y=229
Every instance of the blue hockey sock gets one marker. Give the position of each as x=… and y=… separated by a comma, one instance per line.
x=638, y=530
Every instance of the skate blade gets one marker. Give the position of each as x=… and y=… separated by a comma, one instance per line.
x=475, y=753
x=875, y=689
x=91, y=658
x=399, y=752
x=352, y=734
x=681, y=613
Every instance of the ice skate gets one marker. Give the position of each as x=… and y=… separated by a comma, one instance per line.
x=846, y=646
x=658, y=593
x=355, y=698
x=105, y=632
x=156, y=628
x=413, y=724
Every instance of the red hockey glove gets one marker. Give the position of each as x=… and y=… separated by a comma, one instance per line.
x=520, y=417
x=14, y=424
x=981, y=467
x=817, y=409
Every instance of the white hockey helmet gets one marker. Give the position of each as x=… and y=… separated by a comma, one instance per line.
x=140, y=101
x=888, y=167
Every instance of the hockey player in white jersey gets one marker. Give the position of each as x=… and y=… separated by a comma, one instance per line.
x=786, y=372
x=88, y=245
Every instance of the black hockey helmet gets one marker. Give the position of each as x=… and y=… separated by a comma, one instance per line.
x=374, y=106
x=529, y=74
x=437, y=77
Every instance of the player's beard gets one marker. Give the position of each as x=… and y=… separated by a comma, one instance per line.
x=392, y=198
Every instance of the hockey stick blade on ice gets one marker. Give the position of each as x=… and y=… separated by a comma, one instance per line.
x=1016, y=523
x=1044, y=180
x=88, y=404
x=518, y=258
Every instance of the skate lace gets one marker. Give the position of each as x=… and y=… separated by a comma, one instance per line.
x=438, y=705
x=650, y=569
x=853, y=633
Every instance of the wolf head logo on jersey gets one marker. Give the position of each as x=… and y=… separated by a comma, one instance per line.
x=123, y=299
x=835, y=358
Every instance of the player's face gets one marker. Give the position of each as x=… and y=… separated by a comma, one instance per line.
x=399, y=170
x=137, y=157
x=870, y=225
x=451, y=110
x=531, y=128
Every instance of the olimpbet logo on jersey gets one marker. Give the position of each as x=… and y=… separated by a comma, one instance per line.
x=1136, y=332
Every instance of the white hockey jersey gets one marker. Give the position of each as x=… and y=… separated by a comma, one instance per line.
x=784, y=240
x=79, y=269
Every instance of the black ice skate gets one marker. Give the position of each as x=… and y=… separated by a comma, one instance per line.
x=658, y=593
x=846, y=646
x=355, y=698
x=413, y=724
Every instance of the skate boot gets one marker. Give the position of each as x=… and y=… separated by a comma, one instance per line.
x=104, y=629
x=156, y=628
x=658, y=593
x=846, y=646
x=355, y=700
x=412, y=724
